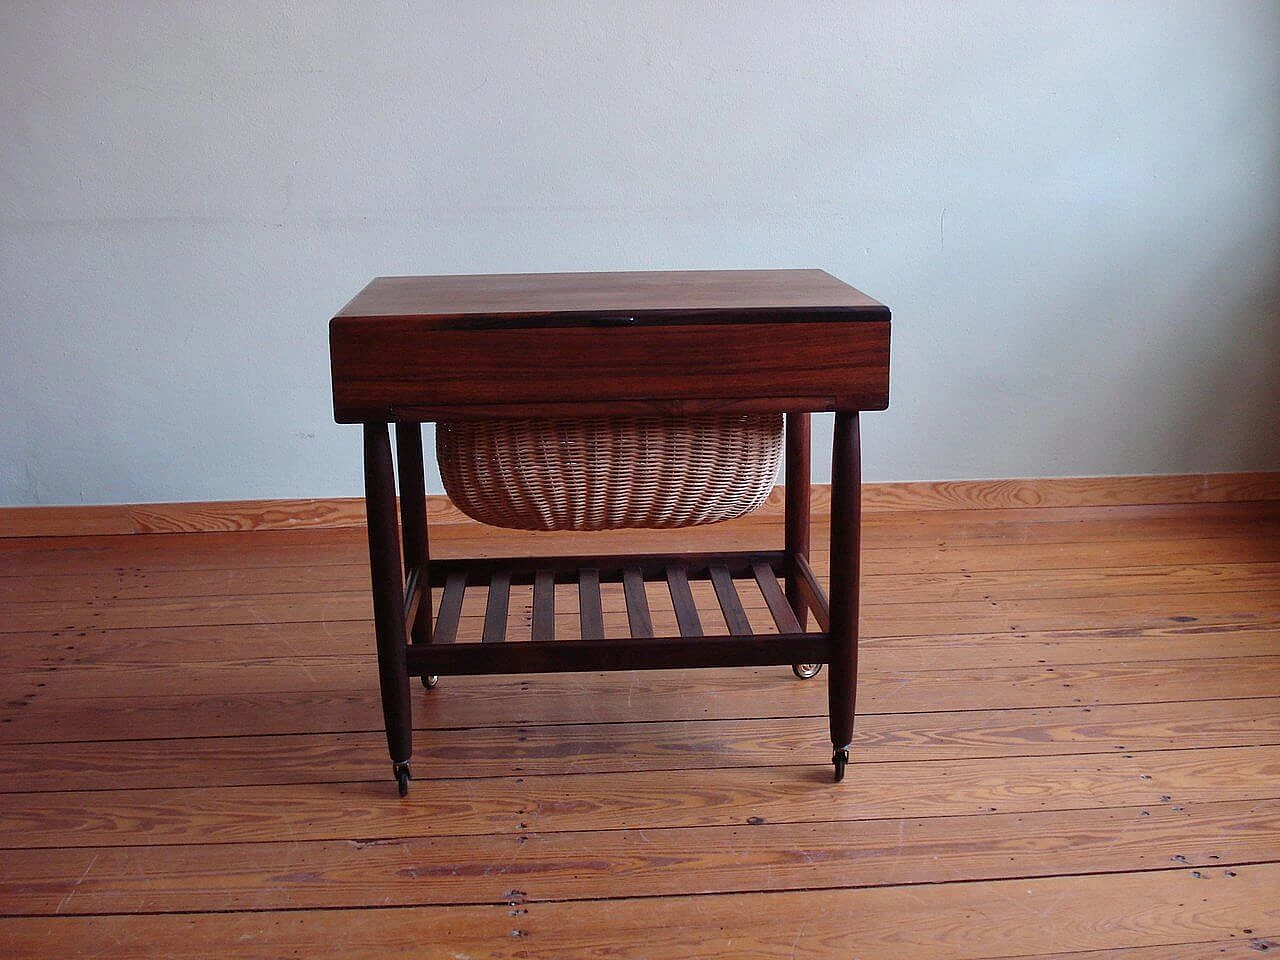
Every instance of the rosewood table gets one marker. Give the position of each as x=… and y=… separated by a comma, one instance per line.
x=409, y=350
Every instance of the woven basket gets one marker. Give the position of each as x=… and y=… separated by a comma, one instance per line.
x=609, y=473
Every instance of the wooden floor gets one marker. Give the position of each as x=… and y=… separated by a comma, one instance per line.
x=1068, y=745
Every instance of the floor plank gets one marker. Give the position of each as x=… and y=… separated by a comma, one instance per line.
x=1067, y=748
x=891, y=619
x=958, y=921
x=502, y=750
x=259, y=646
x=615, y=698
x=1247, y=945
x=67, y=676
x=1238, y=544
x=611, y=801
x=74, y=590
x=952, y=529
x=653, y=862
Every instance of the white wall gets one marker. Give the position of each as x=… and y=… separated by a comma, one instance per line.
x=1072, y=208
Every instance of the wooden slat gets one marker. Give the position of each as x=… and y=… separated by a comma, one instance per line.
x=781, y=610
x=814, y=595
x=590, y=614
x=446, y=630
x=543, y=626
x=412, y=597
x=682, y=602
x=497, y=608
x=727, y=595
x=637, y=602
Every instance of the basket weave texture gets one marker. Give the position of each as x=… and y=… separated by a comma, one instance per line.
x=607, y=473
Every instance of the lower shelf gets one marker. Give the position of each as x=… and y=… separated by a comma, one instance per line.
x=584, y=643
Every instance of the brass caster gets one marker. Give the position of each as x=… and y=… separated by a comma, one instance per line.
x=806, y=671
x=429, y=681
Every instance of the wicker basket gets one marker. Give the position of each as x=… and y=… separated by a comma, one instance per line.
x=609, y=473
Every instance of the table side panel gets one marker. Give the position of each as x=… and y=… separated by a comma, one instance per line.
x=381, y=367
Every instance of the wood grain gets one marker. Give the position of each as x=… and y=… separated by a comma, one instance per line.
x=974, y=601
x=486, y=296
x=917, y=542
x=1086, y=581
x=400, y=365
x=613, y=801
x=611, y=698
x=1245, y=946
x=449, y=344
x=657, y=862
x=583, y=748
x=244, y=647
x=348, y=512
x=253, y=658
x=963, y=921
x=1069, y=491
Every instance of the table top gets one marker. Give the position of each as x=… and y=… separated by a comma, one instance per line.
x=693, y=294
x=595, y=344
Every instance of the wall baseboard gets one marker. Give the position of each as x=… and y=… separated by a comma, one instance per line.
x=226, y=516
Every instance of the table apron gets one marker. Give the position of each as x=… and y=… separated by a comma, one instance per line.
x=381, y=372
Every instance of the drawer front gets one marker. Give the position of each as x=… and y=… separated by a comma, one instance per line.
x=385, y=369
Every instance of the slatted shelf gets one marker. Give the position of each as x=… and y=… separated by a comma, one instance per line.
x=732, y=577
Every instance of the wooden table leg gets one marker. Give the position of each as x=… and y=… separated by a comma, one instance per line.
x=796, y=482
x=846, y=515
x=388, y=598
x=413, y=520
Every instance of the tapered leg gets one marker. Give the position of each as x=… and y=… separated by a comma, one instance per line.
x=413, y=518
x=388, y=597
x=846, y=511
x=796, y=482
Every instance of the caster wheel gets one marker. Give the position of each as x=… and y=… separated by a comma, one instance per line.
x=840, y=758
x=401, y=771
x=429, y=682
x=806, y=671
